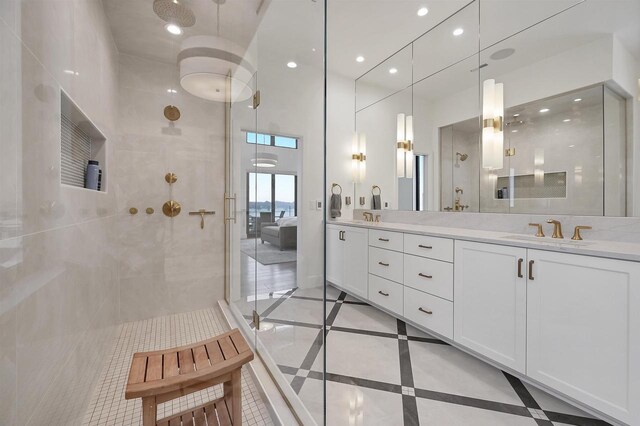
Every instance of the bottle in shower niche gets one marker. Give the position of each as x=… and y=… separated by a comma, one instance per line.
x=92, y=175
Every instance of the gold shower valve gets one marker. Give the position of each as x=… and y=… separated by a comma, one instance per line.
x=171, y=178
x=171, y=208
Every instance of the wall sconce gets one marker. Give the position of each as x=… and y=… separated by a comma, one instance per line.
x=492, y=125
x=404, y=146
x=359, y=158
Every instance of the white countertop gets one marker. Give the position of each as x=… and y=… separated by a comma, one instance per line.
x=608, y=249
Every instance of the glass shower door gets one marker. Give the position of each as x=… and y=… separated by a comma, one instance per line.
x=240, y=212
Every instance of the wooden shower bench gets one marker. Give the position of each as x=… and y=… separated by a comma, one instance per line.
x=161, y=376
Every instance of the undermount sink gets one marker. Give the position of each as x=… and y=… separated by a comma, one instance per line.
x=547, y=240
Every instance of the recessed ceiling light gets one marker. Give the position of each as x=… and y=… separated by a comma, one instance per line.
x=544, y=110
x=313, y=49
x=423, y=11
x=172, y=91
x=71, y=72
x=360, y=59
x=516, y=115
x=514, y=131
x=566, y=120
x=393, y=70
x=571, y=146
x=577, y=99
x=292, y=64
x=458, y=31
x=173, y=29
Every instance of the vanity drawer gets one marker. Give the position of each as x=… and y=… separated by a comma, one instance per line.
x=431, y=247
x=386, y=239
x=429, y=311
x=428, y=275
x=386, y=293
x=386, y=264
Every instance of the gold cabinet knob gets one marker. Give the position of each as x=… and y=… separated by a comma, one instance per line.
x=150, y=210
x=133, y=210
x=171, y=208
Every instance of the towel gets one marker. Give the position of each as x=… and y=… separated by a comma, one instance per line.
x=335, y=205
x=376, y=202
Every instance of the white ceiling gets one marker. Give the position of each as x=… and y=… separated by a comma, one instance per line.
x=376, y=29
x=138, y=31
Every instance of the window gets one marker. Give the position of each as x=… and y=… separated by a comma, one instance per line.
x=270, y=196
x=272, y=140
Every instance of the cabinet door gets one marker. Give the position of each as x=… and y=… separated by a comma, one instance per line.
x=583, y=332
x=335, y=255
x=490, y=301
x=355, y=261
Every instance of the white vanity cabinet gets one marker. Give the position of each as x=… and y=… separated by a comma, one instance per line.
x=347, y=249
x=490, y=298
x=583, y=330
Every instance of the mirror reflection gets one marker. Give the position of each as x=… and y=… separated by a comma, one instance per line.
x=534, y=117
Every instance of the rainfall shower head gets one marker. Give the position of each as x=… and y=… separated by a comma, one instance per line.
x=174, y=12
x=462, y=156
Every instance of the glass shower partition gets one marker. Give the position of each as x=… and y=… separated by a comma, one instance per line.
x=275, y=147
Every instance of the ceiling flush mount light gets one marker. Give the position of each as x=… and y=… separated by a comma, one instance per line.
x=173, y=29
x=423, y=11
x=214, y=68
x=393, y=70
x=544, y=110
x=360, y=59
x=458, y=31
x=292, y=64
x=404, y=146
x=492, y=125
x=359, y=158
x=264, y=159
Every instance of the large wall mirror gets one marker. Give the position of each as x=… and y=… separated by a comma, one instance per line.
x=535, y=116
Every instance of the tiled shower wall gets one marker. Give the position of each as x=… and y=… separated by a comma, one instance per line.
x=58, y=265
x=74, y=263
x=168, y=265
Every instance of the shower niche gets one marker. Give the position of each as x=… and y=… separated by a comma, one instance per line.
x=81, y=143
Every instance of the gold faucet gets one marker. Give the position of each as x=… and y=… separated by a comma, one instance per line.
x=557, y=228
x=576, y=232
x=368, y=217
x=377, y=218
x=540, y=233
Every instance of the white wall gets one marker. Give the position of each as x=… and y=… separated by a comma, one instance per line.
x=58, y=266
x=167, y=265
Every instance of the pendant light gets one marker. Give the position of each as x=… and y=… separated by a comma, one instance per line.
x=207, y=63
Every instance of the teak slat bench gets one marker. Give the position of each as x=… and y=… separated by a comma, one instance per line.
x=161, y=376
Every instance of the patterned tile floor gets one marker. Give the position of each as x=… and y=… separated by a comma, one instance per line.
x=108, y=406
x=381, y=371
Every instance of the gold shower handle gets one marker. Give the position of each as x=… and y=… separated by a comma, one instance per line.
x=202, y=213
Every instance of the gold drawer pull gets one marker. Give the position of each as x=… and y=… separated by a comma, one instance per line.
x=425, y=275
x=425, y=311
x=386, y=240
x=383, y=293
x=423, y=246
x=383, y=264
